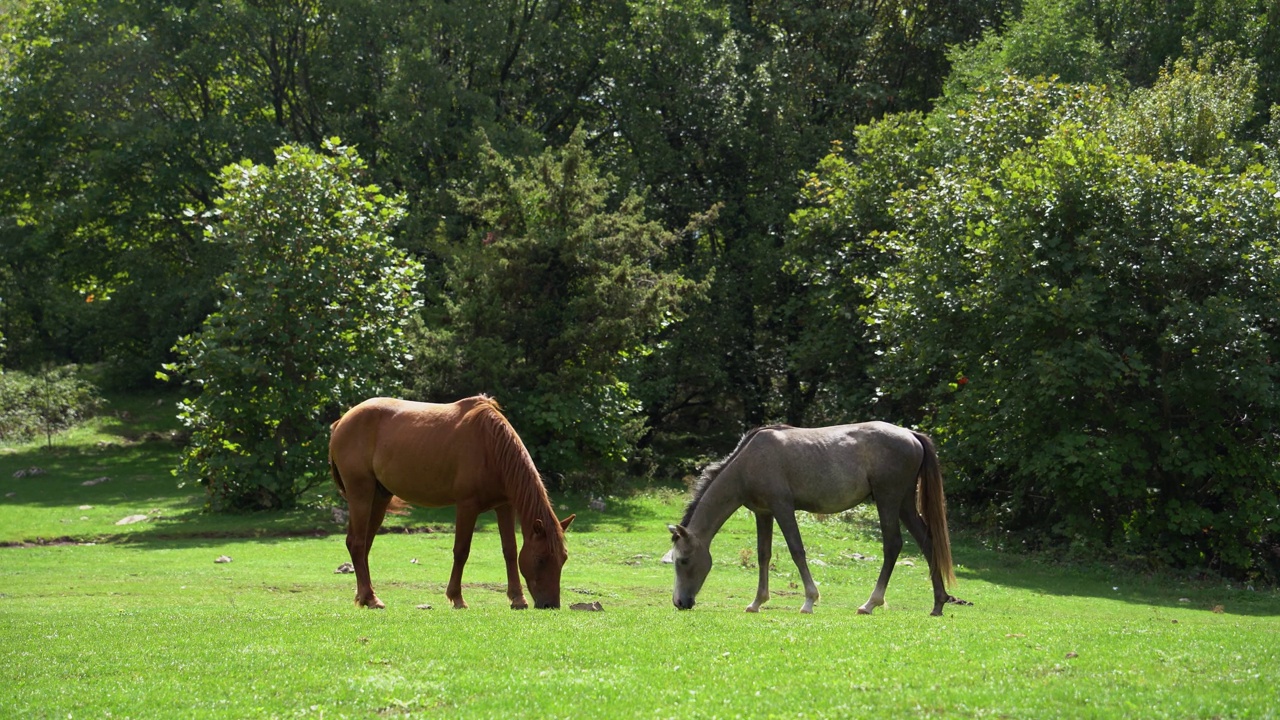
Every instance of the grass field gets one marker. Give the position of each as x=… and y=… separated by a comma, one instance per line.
x=144, y=623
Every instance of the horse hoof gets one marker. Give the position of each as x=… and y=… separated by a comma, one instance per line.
x=753, y=609
x=519, y=605
x=863, y=611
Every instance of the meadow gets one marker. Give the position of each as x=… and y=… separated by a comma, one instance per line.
x=138, y=620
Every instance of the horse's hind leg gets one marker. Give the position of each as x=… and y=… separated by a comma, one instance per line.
x=464, y=528
x=764, y=555
x=892, y=546
x=916, y=526
x=791, y=531
x=366, y=512
x=507, y=531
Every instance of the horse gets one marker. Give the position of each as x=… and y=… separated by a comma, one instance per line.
x=778, y=469
x=386, y=452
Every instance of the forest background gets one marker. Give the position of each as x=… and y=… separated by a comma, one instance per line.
x=1044, y=231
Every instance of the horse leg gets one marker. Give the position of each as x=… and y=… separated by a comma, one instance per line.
x=892, y=546
x=507, y=531
x=764, y=555
x=920, y=531
x=791, y=531
x=464, y=527
x=365, y=515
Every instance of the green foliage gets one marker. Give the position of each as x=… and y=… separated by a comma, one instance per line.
x=1195, y=112
x=550, y=302
x=835, y=243
x=1086, y=328
x=1047, y=38
x=313, y=321
x=44, y=403
x=1090, y=335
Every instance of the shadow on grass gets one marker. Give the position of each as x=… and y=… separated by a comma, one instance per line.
x=1161, y=589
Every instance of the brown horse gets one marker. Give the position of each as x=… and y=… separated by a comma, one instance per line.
x=463, y=454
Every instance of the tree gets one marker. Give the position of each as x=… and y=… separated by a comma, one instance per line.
x=1196, y=112
x=1088, y=331
x=719, y=103
x=312, y=321
x=1048, y=38
x=551, y=303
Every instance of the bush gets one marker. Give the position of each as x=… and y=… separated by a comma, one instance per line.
x=313, y=321
x=53, y=400
x=1096, y=331
x=1088, y=331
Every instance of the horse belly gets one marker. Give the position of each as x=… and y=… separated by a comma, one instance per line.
x=830, y=495
x=418, y=480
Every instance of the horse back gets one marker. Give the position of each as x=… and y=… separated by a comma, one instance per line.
x=831, y=469
x=428, y=454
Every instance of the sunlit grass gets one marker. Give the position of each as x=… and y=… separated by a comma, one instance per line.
x=145, y=623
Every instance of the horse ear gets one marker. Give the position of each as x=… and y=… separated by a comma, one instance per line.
x=678, y=533
x=538, y=527
x=565, y=523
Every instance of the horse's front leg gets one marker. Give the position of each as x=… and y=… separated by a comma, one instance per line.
x=507, y=531
x=791, y=531
x=464, y=527
x=764, y=556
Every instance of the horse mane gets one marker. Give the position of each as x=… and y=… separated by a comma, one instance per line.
x=525, y=491
x=712, y=471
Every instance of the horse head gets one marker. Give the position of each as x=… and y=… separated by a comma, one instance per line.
x=693, y=561
x=541, y=559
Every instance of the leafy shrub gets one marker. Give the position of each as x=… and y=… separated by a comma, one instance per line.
x=313, y=321
x=1090, y=332
x=1049, y=38
x=1194, y=112
x=53, y=400
x=1099, y=330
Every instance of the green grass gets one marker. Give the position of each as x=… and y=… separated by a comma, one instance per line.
x=144, y=623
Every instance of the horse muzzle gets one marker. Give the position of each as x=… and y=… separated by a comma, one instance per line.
x=682, y=603
x=546, y=606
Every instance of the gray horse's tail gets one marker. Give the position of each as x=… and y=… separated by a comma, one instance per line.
x=933, y=507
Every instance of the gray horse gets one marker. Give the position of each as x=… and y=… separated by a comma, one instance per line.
x=777, y=470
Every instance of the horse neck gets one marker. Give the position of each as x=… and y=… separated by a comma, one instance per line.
x=721, y=500
x=508, y=460
x=528, y=498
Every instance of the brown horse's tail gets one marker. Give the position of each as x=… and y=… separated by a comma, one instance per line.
x=337, y=479
x=395, y=507
x=933, y=506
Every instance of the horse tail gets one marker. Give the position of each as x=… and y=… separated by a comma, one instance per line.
x=395, y=507
x=933, y=506
x=333, y=467
x=337, y=478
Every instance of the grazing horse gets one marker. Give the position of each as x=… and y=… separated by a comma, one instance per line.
x=463, y=454
x=777, y=470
